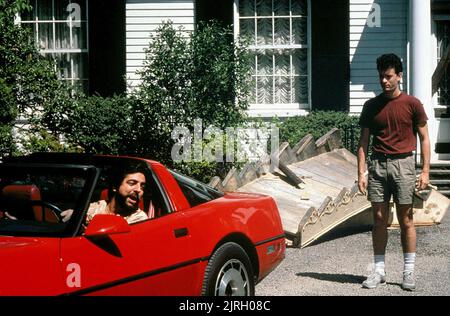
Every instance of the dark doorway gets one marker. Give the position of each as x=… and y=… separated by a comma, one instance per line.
x=107, y=47
x=330, y=48
x=219, y=10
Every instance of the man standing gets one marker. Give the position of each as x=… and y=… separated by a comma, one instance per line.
x=393, y=118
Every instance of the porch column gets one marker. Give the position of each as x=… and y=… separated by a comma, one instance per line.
x=420, y=60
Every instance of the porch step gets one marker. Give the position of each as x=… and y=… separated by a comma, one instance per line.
x=439, y=171
x=439, y=177
x=440, y=181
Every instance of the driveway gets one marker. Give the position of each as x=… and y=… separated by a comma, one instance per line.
x=337, y=266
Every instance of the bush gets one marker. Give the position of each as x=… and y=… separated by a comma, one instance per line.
x=202, y=171
x=318, y=123
x=28, y=82
x=183, y=79
x=95, y=124
x=220, y=76
x=203, y=76
x=8, y=113
x=43, y=141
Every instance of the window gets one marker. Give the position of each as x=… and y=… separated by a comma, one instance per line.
x=277, y=31
x=32, y=197
x=443, y=41
x=60, y=30
x=195, y=192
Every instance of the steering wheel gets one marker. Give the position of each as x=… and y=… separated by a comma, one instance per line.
x=52, y=207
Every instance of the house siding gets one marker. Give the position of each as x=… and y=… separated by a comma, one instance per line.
x=368, y=42
x=143, y=17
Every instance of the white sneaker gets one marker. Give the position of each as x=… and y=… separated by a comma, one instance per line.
x=408, y=283
x=373, y=280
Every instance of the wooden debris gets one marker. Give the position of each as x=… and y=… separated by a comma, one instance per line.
x=315, y=188
x=216, y=183
x=232, y=181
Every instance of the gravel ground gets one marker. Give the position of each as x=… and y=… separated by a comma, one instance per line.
x=338, y=266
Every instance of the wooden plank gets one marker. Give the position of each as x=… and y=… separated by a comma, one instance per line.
x=248, y=173
x=338, y=164
x=305, y=148
x=322, y=173
x=231, y=181
x=314, y=175
x=332, y=162
x=330, y=141
x=216, y=183
x=319, y=187
x=287, y=198
x=284, y=154
x=347, y=155
x=263, y=166
x=296, y=181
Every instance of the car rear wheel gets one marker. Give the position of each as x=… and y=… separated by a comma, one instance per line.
x=229, y=273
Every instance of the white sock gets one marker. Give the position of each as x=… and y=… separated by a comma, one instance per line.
x=379, y=264
x=409, y=260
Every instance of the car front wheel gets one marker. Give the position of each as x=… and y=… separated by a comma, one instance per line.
x=229, y=272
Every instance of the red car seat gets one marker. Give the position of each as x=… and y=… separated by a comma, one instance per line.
x=23, y=194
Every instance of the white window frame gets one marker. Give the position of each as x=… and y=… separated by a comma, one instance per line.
x=80, y=51
x=281, y=109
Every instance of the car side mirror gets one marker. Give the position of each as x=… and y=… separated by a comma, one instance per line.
x=107, y=224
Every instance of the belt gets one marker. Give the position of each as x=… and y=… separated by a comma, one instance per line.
x=378, y=155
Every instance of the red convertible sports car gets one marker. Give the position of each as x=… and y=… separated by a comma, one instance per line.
x=196, y=240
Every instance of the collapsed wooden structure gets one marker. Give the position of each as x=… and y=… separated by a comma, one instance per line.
x=315, y=188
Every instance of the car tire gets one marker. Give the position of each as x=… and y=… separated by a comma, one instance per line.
x=229, y=273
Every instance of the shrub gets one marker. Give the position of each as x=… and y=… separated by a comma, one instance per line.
x=97, y=125
x=28, y=82
x=219, y=76
x=318, y=123
x=202, y=171
x=40, y=140
x=203, y=76
x=183, y=79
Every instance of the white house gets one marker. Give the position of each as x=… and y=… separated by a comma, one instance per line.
x=308, y=54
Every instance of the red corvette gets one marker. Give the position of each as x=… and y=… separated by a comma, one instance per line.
x=196, y=240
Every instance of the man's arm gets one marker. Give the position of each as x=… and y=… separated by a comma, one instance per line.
x=424, y=178
x=362, y=154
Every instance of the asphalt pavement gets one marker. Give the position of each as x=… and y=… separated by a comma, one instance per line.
x=339, y=265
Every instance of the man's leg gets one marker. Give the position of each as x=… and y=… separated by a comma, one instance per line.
x=379, y=231
x=407, y=228
x=408, y=238
x=380, y=212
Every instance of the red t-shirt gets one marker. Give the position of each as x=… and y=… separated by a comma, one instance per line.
x=392, y=122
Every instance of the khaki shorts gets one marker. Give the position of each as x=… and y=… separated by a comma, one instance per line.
x=392, y=177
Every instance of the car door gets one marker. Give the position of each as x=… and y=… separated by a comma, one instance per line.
x=153, y=258
x=29, y=266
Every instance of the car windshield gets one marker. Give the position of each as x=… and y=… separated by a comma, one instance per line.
x=33, y=196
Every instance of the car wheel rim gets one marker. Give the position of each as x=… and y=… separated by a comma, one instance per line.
x=232, y=280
